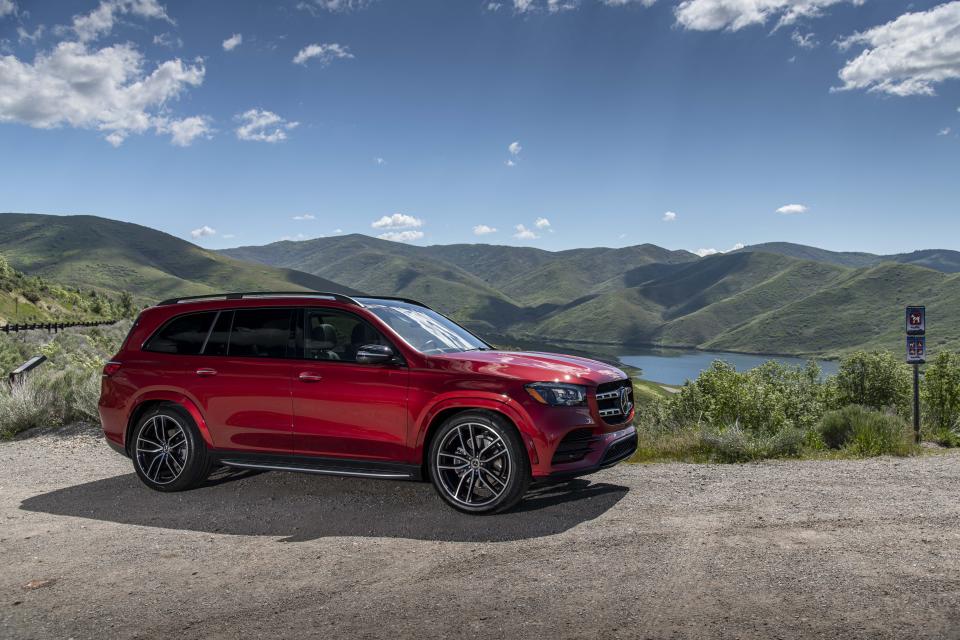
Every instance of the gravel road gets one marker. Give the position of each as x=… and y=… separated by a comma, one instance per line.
x=840, y=549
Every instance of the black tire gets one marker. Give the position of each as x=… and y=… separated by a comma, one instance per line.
x=167, y=450
x=459, y=472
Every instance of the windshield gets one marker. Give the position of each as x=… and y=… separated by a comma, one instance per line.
x=424, y=329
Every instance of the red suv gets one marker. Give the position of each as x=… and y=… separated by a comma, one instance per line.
x=370, y=387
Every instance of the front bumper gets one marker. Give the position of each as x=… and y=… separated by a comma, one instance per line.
x=610, y=449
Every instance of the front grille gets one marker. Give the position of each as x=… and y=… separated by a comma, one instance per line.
x=575, y=446
x=609, y=403
x=620, y=450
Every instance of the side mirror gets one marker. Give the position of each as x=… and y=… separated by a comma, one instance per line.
x=375, y=354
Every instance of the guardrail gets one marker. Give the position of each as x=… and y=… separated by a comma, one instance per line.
x=17, y=374
x=52, y=327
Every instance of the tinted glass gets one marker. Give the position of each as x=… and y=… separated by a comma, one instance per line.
x=333, y=335
x=261, y=333
x=220, y=336
x=424, y=329
x=184, y=335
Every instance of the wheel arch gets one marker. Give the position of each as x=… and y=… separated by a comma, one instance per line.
x=447, y=409
x=152, y=400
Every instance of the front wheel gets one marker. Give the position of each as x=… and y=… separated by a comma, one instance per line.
x=478, y=463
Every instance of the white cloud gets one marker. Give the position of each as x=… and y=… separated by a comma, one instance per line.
x=7, y=8
x=945, y=131
x=494, y=6
x=333, y=6
x=524, y=234
x=295, y=238
x=401, y=236
x=669, y=216
x=482, y=230
x=542, y=223
x=380, y=161
x=101, y=20
x=804, y=40
x=397, y=221
x=305, y=216
x=908, y=55
x=703, y=253
x=259, y=125
x=523, y=6
x=25, y=36
x=106, y=90
x=326, y=53
x=514, y=148
x=790, y=209
x=202, y=232
x=510, y=163
x=713, y=15
x=233, y=42
x=168, y=40
x=184, y=131
x=623, y=3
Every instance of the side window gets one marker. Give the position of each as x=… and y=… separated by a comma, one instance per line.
x=184, y=335
x=335, y=335
x=261, y=333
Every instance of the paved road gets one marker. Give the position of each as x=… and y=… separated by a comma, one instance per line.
x=843, y=549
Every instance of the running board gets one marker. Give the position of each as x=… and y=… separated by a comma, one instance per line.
x=326, y=467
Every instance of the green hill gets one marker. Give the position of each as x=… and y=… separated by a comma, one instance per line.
x=789, y=299
x=107, y=255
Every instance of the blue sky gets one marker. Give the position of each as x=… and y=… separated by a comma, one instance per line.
x=402, y=114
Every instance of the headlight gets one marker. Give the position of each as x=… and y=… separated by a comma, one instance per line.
x=558, y=394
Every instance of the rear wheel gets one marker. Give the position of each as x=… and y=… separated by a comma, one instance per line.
x=478, y=463
x=168, y=452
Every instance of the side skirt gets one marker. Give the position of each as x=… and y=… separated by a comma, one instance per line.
x=322, y=466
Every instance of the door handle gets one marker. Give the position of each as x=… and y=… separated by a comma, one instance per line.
x=206, y=372
x=308, y=376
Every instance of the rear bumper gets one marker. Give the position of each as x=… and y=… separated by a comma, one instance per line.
x=612, y=449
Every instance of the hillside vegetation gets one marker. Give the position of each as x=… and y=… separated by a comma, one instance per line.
x=111, y=256
x=774, y=298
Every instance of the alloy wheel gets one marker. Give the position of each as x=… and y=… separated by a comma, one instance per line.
x=162, y=449
x=473, y=465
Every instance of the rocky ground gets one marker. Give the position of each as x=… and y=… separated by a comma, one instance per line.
x=844, y=549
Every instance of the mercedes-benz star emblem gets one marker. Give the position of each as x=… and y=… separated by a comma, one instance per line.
x=625, y=404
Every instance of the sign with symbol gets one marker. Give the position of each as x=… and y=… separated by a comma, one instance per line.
x=916, y=321
x=916, y=349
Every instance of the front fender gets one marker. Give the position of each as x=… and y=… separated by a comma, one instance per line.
x=479, y=400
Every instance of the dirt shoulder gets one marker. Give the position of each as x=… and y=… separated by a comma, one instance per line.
x=845, y=549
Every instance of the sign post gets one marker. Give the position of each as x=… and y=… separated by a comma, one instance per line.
x=916, y=355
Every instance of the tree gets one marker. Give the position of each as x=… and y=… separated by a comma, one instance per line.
x=941, y=392
x=876, y=379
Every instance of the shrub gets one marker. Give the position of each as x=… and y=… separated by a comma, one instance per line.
x=864, y=432
x=24, y=406
x=878, y=380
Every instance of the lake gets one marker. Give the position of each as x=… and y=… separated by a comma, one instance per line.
x=676, y=366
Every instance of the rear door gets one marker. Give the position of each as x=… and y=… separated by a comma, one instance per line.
x=342, y=408
x=242, y=381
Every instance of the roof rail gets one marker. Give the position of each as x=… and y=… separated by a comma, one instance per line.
x=339, y=297
x=398, y=299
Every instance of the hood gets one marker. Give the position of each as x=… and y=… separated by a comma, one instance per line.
x=532, y=366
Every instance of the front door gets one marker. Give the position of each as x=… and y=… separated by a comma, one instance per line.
x=342, y=408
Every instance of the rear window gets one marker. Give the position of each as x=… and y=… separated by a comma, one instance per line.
x=184, y=335
x=262, y=333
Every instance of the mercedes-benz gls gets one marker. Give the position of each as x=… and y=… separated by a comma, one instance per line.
x=369, y=387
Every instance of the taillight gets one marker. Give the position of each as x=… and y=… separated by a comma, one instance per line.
x=110, y=368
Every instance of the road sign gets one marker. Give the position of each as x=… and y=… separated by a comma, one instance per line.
x=916, y=321
x=916, y=349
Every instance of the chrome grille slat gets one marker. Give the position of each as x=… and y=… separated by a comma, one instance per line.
x=608, y=400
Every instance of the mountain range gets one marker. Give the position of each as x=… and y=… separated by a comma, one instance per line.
x=771, y=298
